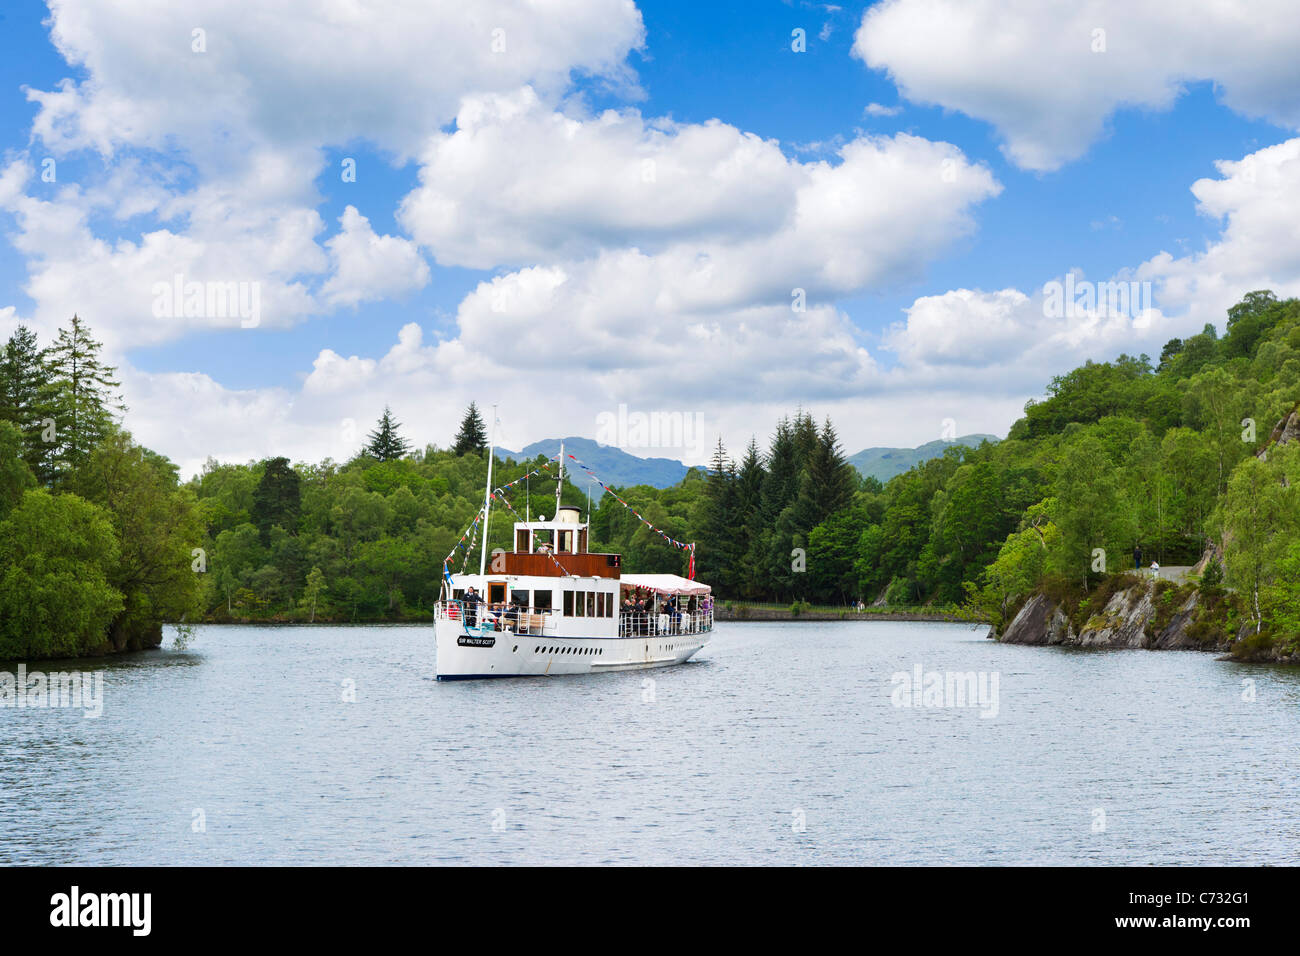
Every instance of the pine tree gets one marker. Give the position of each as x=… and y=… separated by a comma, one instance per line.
x=718, y=523
x=26, y=399
x=473, y=434
x=277, y=500
x=384, y=443
x=747, y=576
x=831, y=478
x=780, y=487
x=85, y=396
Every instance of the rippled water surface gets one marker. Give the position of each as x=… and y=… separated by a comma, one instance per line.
x=779, y=744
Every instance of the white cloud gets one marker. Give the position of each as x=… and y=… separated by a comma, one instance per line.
x=367, y=266
x=219, y=150
x=879, y=109
x=301, y=73
x=1045, y=76
x=729, y=218
x=1258, y=200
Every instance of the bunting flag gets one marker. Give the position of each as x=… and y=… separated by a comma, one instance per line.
x=554, y=560
x=663, y=534
x=471, y=533
x=499, y=494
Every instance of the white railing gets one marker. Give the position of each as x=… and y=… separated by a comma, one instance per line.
x=643, y=623
x=509, y=617
x=522, y=620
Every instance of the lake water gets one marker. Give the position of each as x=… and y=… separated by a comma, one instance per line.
x=781, y=743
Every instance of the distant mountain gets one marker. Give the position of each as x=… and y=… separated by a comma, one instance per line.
x=885, y=463
x=613, y=465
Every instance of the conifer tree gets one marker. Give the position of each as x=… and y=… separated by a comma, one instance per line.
x=277, y=500
x=472, y=436
x=748, y=578
x=718, y=521
x=384, y=443
x=85, y=394
x=26, y=399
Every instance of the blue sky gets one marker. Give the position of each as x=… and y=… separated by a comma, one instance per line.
x=1073, y=180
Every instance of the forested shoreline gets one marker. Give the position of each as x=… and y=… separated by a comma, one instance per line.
x=100, y=542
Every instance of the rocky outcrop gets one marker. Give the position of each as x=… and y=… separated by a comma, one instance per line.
x=1176, y=635
x=1123, y=621
x=1131, y=618
x=1040, y=621
x=1288, y=429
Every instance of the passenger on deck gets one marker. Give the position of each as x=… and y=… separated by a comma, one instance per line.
x=670, y=606
x=472, y=601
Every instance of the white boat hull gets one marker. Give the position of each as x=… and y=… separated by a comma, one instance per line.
x=465, y=654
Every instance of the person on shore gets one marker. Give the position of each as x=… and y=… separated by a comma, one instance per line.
x=1137, y=557
x=1155, y=570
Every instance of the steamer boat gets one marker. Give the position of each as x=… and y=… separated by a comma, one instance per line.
x=552, y=607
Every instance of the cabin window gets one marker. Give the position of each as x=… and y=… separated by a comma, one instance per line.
x=519, y=597
x=564, y=541
x=568, y=604
x=579, y=604
x=496, y=592
x=458, y=594
x=600, y=604
x=591, y=604
x=541, y=600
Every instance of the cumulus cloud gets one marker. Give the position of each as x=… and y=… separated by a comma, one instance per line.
x=220, y=76
x=212, y=119
x=1257, y=198
x=729, y=218
x=1048, y=75
x=367, y=266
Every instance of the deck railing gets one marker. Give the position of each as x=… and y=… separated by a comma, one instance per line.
x=511, y=617
x=637, y=623
x=530, y=620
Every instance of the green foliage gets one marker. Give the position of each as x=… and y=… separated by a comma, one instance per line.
x=384, y=443
x=15, y=476
x=473, y=436
x=277, y=500
x=84, y=395
x=57, y=555
x=157, y=526
x=103, y=554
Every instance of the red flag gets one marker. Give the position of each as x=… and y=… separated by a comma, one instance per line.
x=690, y=569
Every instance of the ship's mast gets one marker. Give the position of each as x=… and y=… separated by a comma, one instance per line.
x=559, y=481
x=487, y=494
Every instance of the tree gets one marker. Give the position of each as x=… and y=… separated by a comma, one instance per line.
x=85, y=397
x=472, y=436
x=57, y=553
x=718, y=523
x=158, y=527
x=311, y=593
x=1252, y=512
x=26, y=399
x=384, y=443
x=1091, y=512
x=277, y=500
x=15, y=476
